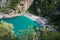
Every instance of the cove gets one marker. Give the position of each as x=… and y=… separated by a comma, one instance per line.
x=21, y=22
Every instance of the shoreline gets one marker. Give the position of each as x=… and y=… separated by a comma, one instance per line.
x=11, y=15
x=40, y=20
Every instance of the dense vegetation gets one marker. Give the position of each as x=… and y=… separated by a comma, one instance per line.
x=49, y=9
x=7, y=33
x=12, y=6
x=14, y=3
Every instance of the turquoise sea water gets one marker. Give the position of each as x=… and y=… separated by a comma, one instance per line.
x=21, y=22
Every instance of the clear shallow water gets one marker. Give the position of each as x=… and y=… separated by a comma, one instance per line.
x=21, y=22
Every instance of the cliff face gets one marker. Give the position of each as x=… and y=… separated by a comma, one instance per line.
x=4, y=3
x=24, y=5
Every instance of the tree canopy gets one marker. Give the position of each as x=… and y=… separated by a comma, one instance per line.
x=49, y=9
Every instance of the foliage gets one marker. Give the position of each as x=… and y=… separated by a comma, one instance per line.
x=14, y=3
x=49, y=9
x=4, y=10
x=41, y=34
x=46, y=7
x=58, y=5
x=7, y=33
x=33, y=8
x=50, y=35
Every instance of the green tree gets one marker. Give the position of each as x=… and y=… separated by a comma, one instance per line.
x=39, y=34
x=49, y=9
x=6, y=31
x=13, y=4
x=33, y=8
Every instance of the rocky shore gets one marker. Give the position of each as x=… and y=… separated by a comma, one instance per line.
x=10, y=15
x=40, y=20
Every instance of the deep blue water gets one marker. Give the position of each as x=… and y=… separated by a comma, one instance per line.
x=21, y=22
